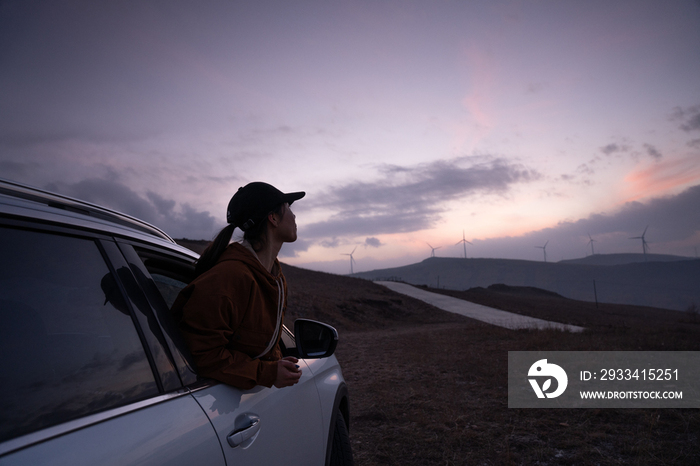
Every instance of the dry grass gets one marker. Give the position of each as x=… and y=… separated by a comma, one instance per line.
x=428, y=387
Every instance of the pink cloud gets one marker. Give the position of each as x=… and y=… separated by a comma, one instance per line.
x=480, y=71
x=661, y=178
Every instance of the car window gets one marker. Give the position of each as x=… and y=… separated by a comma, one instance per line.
x=68, y=342
x=169, y=287
x=288, y=344
x=168, y=275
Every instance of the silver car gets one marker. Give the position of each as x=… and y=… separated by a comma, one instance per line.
x=94, y=372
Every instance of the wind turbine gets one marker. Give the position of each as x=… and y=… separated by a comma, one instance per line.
x=464, y=241
x=432, y=253
x=544, y=249
x=591, y=243
x=645, y=246
x=352, y=260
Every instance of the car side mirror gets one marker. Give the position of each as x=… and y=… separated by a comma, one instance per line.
x=314, y=339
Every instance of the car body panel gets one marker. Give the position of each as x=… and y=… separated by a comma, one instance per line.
x=174, y=433
x=291, y=423
x=22, y=208
x=328, y=377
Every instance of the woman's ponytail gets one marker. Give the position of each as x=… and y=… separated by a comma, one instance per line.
x=212, y=253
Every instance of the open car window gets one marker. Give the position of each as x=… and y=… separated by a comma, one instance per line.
x=163, y=275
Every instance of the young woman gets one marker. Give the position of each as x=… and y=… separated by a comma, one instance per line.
x=232, y=312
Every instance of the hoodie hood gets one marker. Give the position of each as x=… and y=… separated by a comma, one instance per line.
x=245, y=254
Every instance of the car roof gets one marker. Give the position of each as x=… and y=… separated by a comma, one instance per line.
x=21, y=200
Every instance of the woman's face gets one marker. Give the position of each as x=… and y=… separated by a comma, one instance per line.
x=287, y=225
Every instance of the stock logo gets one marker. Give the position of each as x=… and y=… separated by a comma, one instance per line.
x=542, y=369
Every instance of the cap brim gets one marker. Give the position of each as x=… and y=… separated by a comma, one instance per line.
x=289, y=198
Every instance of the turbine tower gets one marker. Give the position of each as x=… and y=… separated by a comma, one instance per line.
x=645, y=245
x=352, y=260
x=432, y=253
x=544, y=250
x=591, y=243
x=464, y=241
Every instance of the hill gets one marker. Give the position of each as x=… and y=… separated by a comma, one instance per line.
x=431, y=387
x=664, y=284
x=619, y=259
x=196, y=245
x=354, y=304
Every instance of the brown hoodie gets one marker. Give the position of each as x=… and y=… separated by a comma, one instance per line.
x=231, y=318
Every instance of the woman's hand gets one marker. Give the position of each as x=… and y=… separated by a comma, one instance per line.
x=288, y=372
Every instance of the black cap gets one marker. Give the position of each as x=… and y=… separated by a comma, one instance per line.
x=251, y=204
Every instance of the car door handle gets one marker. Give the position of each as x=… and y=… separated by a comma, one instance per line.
x=241, y=435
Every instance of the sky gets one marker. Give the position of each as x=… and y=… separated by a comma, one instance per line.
x=411, y=125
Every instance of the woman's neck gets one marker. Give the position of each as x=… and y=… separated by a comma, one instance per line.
x=268, y=254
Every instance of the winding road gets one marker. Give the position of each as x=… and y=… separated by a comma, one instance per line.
x=477, y=311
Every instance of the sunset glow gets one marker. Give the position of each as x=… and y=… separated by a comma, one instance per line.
x=406, y=122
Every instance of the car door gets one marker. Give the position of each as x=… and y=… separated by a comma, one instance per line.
x=257, y=426
x=268, y=425
x=80, y=383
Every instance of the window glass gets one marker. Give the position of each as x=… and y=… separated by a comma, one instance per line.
x=169, y=276
x=149, y=327
x=68, y=343
x=169, y=287
x=288, y=344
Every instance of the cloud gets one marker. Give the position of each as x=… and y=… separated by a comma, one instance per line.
x=96, y=73
x=373, y=242
x=660, y=177
x=671, y=218
x=585, y=168
x=178, y=221
x=16, y=170
x=653, y=152
x=535, y=88
x=412, y=198
x=331, y=243
x=693, y=123
x=673, y=221
x=163, y=206
x=613, y=148
x=293, y=249
x=690, y=116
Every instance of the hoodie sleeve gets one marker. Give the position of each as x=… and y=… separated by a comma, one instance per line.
x=209, y=320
